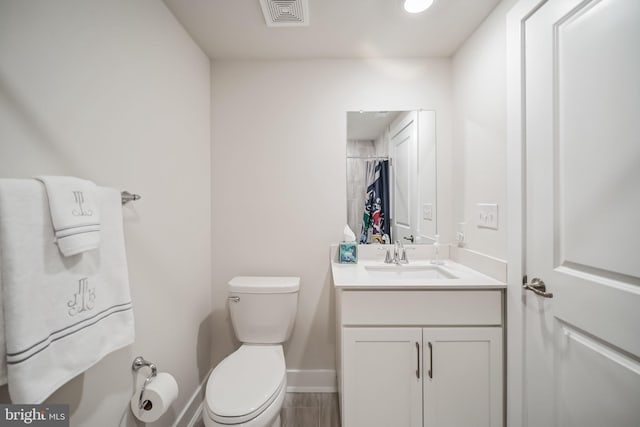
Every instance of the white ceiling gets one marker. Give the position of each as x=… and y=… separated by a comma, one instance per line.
x=236, y=29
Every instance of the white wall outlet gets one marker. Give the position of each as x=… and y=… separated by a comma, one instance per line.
x=427, y=211
x=488, y=215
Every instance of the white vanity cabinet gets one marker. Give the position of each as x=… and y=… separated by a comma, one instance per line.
x=413, y=358
x=380, y=387
x=462, y=383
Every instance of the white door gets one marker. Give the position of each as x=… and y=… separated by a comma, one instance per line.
x=404, y=135
x=381, y=384
x=582, y=98
x=462, y=377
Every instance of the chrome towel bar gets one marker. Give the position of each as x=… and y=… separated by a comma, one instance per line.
x=129, y=197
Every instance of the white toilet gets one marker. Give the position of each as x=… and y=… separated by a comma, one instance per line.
x=247, y=388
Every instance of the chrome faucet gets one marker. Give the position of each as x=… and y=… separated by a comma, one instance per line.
x=397, y=247
x=399, y=253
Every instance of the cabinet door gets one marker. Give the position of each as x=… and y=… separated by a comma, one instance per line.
x=382, y=377
x=463, y=377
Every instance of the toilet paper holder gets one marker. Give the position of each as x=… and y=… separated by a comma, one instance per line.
x=140, y=362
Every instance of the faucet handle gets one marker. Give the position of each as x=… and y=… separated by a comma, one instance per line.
x=404, y=259
x=388, y=259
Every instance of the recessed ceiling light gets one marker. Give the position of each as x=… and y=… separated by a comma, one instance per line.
x=417, y=6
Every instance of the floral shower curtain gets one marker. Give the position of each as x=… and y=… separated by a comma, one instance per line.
x=375, y=220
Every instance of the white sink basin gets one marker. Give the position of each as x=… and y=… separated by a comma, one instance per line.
x=409, y=271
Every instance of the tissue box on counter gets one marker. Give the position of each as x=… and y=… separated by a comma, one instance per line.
x=348, y=253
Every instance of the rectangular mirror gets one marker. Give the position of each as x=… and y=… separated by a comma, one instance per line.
x=391, y=176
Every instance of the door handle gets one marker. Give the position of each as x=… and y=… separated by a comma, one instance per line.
x=410, y=238
x=536, y=286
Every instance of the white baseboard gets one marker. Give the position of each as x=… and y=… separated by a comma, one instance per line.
x=311, y=381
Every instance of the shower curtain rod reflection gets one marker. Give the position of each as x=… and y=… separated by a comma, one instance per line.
x=369, y=157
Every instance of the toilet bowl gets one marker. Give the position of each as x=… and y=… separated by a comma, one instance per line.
x=247, y=388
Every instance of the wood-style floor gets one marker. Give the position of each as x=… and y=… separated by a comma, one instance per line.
x=308, y=410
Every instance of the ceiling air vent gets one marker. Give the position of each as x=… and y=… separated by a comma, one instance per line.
x=286, y=13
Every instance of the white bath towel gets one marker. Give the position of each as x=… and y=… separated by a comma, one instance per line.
x=61, y=314
x=75, y=213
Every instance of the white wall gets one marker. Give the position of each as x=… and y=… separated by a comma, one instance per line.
x=479, y=131
x=116, y=92
x=279, y=180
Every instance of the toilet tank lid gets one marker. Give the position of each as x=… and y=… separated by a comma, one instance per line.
x=264, y=284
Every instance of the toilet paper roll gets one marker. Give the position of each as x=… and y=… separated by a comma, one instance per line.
x=160, y=393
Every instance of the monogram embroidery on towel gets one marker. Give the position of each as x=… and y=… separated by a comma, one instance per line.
x=79, y=198
x=83, y=300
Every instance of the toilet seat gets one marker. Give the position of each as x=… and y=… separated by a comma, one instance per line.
x=245, y=383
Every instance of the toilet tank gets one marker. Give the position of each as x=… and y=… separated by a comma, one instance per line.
x=263, y=309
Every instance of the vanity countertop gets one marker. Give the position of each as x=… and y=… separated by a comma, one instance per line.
x=419, y=274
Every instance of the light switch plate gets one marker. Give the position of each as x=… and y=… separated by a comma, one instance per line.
x=488, y=215
x=427, y=211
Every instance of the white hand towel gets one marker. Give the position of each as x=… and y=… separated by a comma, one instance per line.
x=75, y=213
x=61, y=315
